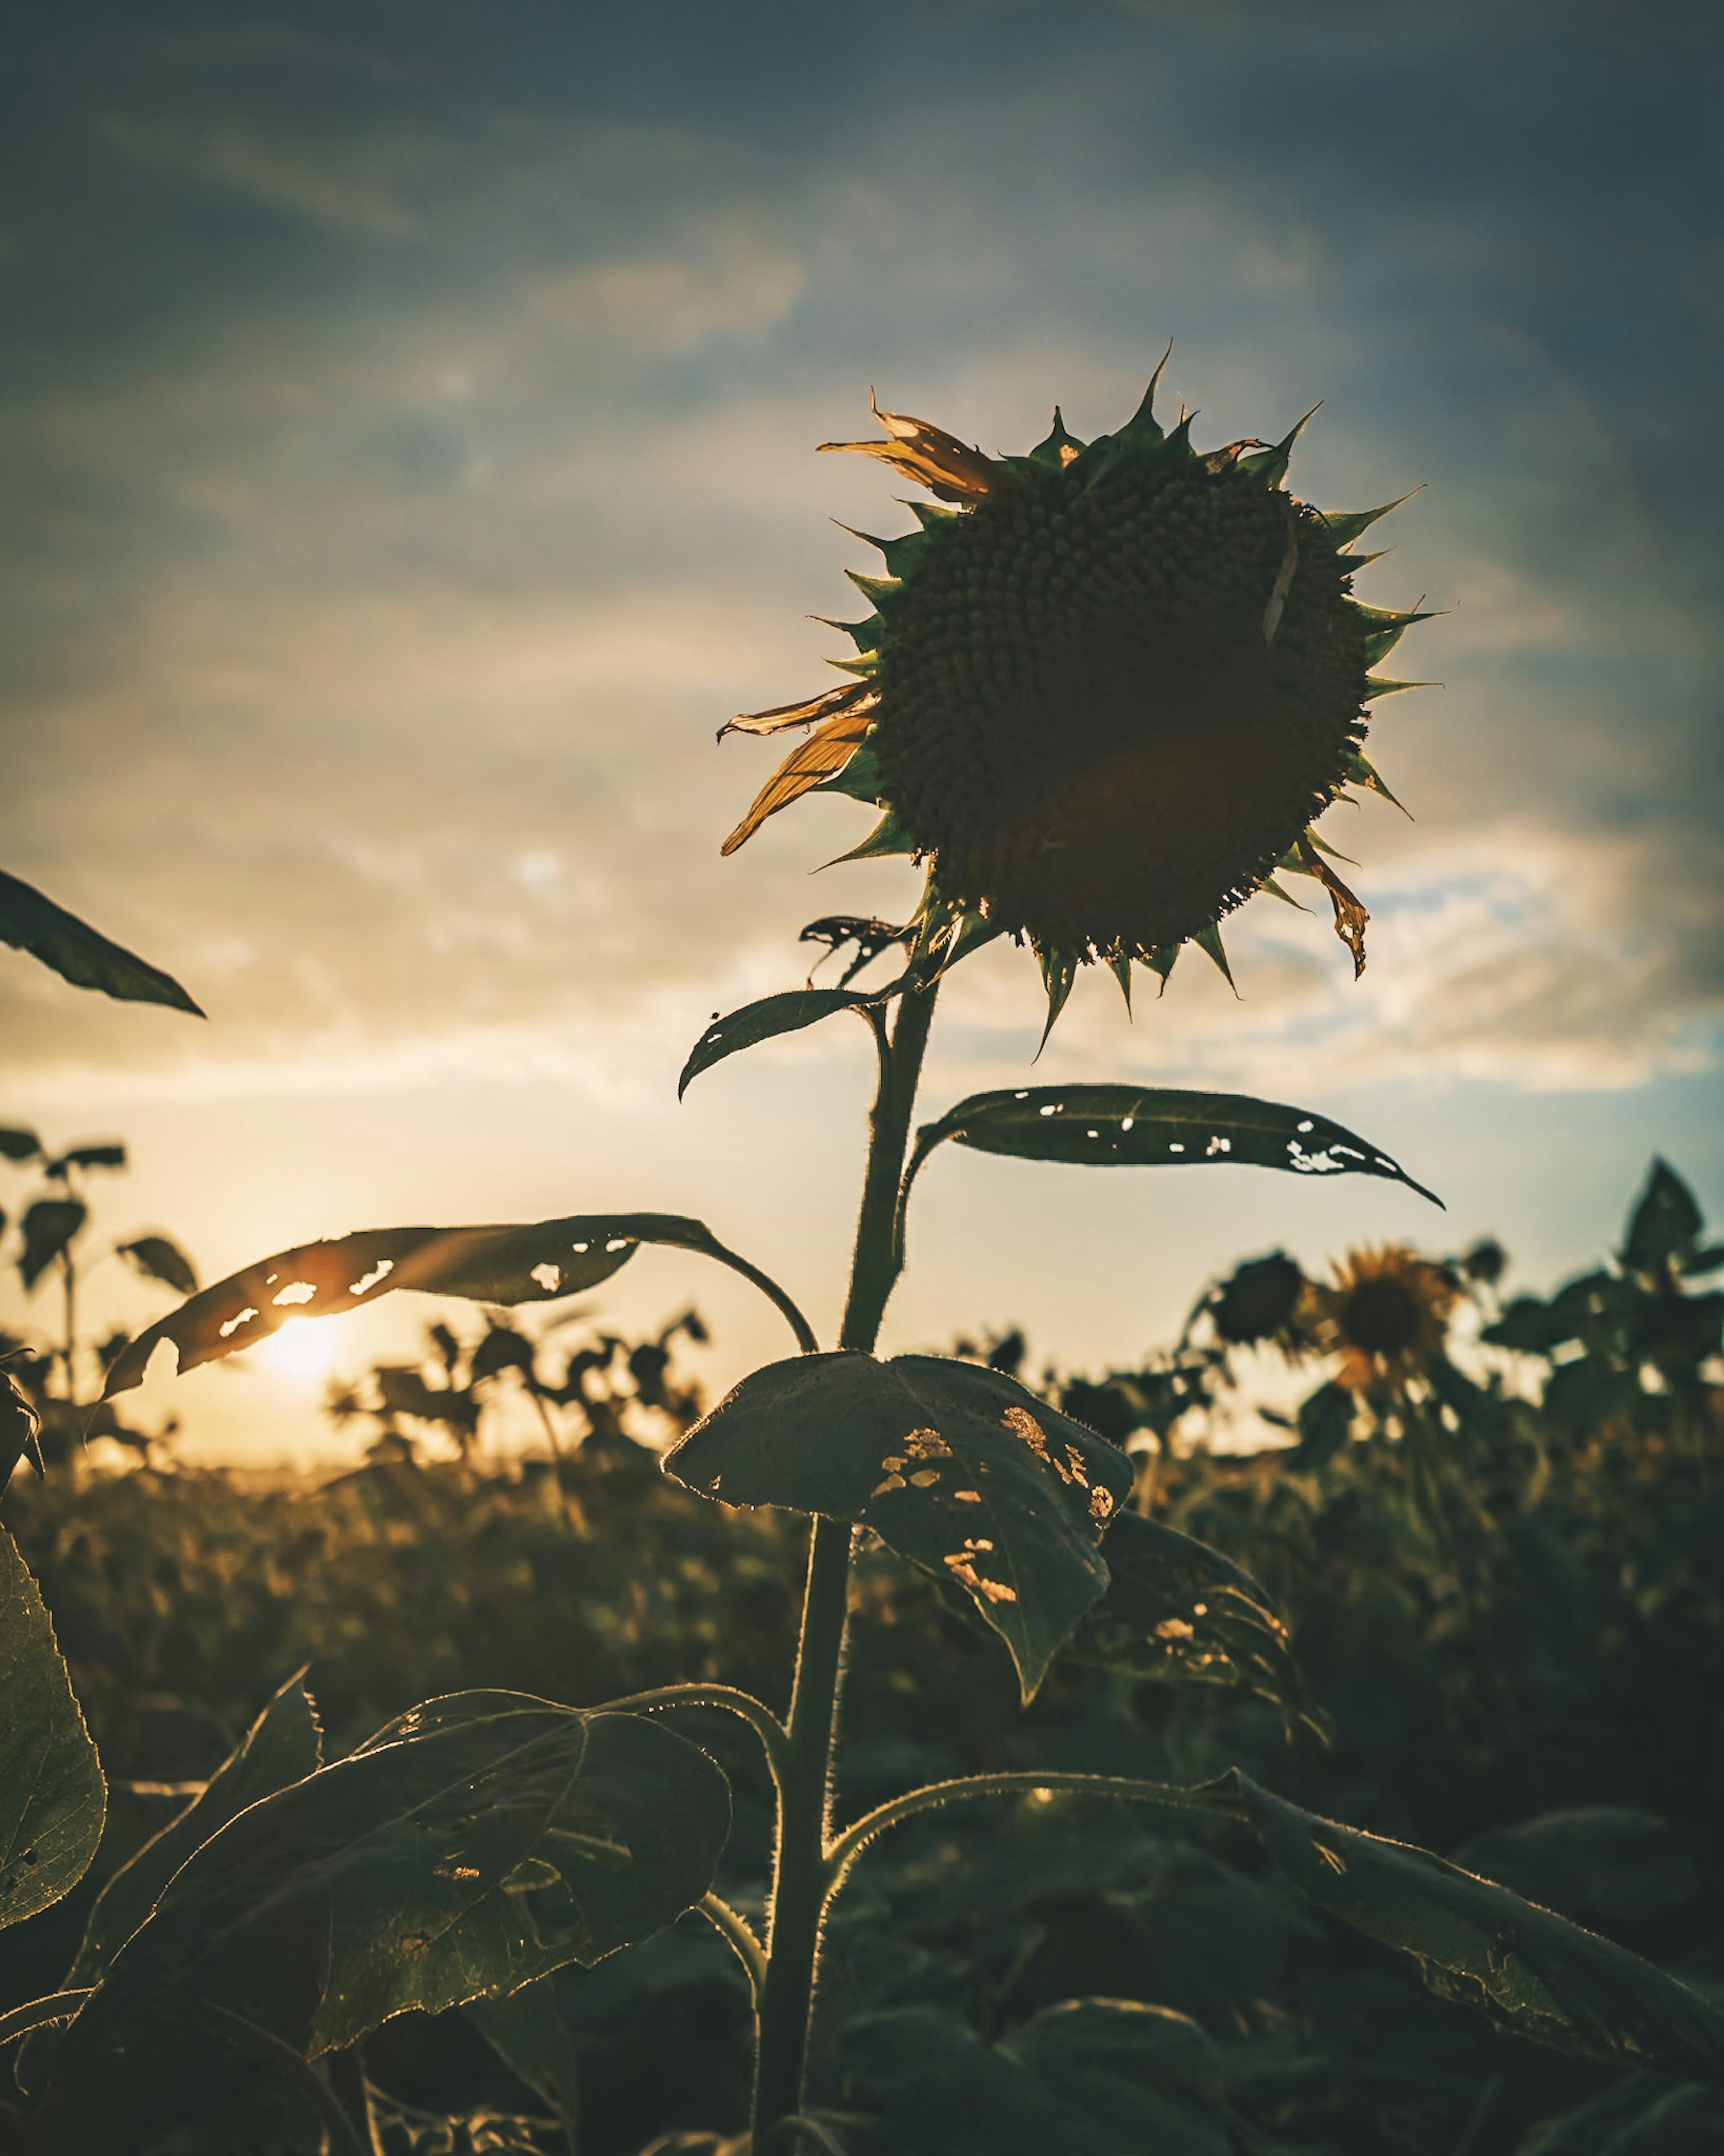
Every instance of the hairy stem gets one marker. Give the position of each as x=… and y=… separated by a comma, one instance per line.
x=805, y=1784
x=766, y=1725
x=737, y=1930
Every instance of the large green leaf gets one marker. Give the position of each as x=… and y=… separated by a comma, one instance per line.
x=539, y=1262
x=788, y=1013
x=1533, y=1974
x=282, y=1746
x=1134, y=1125
x=956, y=1467
x=1089, y=2077
x=52, y=1794
x=1178, y=1611
x=29, y=921
x=473, y=1845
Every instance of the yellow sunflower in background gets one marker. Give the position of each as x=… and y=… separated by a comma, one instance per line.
x=1105, y=692
x=1386, y=1317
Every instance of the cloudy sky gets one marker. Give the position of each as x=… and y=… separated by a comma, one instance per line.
x=406, y=426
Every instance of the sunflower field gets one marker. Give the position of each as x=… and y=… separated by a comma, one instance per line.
x=929, y=1754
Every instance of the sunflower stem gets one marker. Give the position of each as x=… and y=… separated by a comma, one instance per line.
x=806, y=1763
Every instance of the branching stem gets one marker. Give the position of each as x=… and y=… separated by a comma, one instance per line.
x=799, y=1888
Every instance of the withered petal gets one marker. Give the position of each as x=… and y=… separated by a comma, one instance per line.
x=823, y=752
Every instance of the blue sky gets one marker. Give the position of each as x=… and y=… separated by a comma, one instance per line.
x=406, y=418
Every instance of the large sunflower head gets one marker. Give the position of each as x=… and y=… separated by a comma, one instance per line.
x=1105, y=692
x=1386, y=1316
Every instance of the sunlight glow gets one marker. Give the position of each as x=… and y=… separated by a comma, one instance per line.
x=299, y=1350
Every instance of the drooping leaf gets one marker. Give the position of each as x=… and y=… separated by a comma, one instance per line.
x=283, y=1745
x=537, y=1263
x=1153, y=2073
x=1122, y=1125
x=48, y=1225
x=158, y=1259
x=1088, y=2077
x=29, y=921
x=528, y=2033
x=1666, y=1221
x=765, y=1020
x=19, y=1145
x=1588, y=1861
x=1531, y=1973
x=53, y=1798
x=19, y=1423
x=472, y=1846
x=956, y=1467
x=1177, y=1611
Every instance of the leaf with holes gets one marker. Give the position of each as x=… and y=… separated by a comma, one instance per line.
x=538, y=1263
x=473, y=1845
x=1531, y=1973
x=1177, y=1611
x=52, y=1796
x=957, y=1468
x=72, y=949
x=1139, y=1127
x=772, y=1015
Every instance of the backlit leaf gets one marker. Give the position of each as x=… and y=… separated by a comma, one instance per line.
x=538, y=1263
x=1177, y=1611
x=29, y=921
x=1134, y=1125
x=282, y=1746
x=765, y=1020
x=958, y=1468
x=1665, y=1223
x=473, y=1845
x=1531, y=1973
x=48, y=1225
x=157, y=1258
x=53, y=1798
x=528, y=2033
x=1088, y=2077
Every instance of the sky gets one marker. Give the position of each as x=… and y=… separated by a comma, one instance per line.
x=407, y=419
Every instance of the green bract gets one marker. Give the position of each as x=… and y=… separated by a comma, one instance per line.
x=1105, y=693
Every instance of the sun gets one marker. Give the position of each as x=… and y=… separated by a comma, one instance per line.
x=301, y=1351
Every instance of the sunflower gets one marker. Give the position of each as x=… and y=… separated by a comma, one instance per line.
x=1386, y=1317
x=1105, y=691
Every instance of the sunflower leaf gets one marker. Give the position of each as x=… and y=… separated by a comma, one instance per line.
x=157, y=1258
x=1178, y=1611
x=31, y=921
x=1132, y=1126
x=474, y=1846
x=765, y=1020
x=956, y=1467
x=538, y=1262
x=52, y=1796
x=1531, y=1973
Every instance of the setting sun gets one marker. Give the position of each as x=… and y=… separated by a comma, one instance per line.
x=299, y=1351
